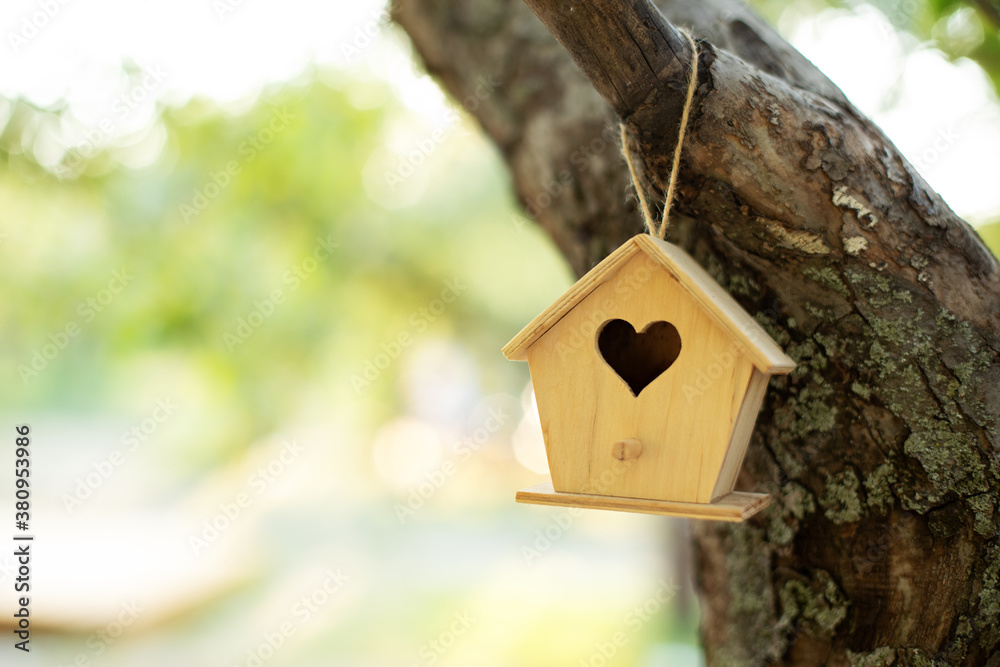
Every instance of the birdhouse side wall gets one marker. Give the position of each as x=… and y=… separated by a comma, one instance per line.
x=740, y=437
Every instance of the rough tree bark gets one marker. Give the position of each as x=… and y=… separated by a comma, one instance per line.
x=881, y=450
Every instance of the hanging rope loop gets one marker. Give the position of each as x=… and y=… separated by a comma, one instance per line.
x=660, y=231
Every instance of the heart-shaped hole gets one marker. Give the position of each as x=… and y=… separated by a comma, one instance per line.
x=639, y=358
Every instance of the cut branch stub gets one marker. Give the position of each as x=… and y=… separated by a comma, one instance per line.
x=633, y=56
x=638, y=62
x=627, y=49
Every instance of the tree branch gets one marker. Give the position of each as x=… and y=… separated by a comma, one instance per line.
x=625, y=47
x=748, y=130
x=810, y=217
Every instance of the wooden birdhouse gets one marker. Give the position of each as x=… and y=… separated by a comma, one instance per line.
x=648, y=378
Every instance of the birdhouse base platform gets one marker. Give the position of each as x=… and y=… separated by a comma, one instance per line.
x=734, y=507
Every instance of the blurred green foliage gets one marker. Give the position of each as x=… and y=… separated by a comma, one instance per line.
x=991, y=235
x=285, y=246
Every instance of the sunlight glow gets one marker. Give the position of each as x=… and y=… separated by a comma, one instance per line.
x=944, y=116
x=529, y=446
x=231, y=50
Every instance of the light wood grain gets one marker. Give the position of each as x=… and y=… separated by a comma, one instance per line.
x=693, y=421
x=755, y=342
x=734, y=507
x=684, y=418
x=742, y=430
x=517, y=347
x=766, y=355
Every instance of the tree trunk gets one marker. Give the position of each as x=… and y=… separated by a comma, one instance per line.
x=881, y=449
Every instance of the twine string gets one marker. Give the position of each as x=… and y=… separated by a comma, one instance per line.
x=660, y=231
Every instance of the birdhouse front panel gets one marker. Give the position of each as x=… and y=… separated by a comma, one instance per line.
x=638, y=390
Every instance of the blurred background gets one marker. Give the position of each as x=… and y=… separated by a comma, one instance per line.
x=257, y=273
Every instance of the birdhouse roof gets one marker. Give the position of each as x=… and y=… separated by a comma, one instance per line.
x=763, y=352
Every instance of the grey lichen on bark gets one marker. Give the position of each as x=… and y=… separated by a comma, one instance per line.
x=882, y=449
